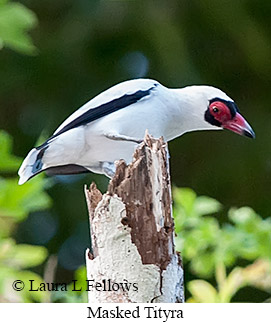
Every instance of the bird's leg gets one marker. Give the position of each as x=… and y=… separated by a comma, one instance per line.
x=108, y=168
x=123, y=138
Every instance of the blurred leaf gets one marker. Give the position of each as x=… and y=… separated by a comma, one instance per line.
x=6, y=226
x=258, y=274
x=21, y=255
x=17, y=201
x=8, y=162
x=25, y=256
x=244, y=216
x=6, y=247
x=206, y=205
x=203, y=264
x=185, y=197
x=202, y=291
x=15, y=21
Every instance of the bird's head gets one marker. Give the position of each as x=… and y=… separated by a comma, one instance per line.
x=218, y=110
x=225, y=114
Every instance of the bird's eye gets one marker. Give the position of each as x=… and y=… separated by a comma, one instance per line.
x=215, y=109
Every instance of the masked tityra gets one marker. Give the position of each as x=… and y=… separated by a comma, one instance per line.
x=108, y=127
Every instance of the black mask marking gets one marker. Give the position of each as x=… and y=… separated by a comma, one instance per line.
x=211, y=119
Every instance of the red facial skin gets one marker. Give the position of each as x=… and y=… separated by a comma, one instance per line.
x=221, y=112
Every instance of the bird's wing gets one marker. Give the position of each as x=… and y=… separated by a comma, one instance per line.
x=115, y=98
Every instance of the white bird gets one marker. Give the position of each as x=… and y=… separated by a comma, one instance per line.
x=110, y=126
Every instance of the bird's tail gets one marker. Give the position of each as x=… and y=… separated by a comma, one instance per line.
x=31, y=166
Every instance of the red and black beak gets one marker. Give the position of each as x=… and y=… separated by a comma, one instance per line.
x=239, y=125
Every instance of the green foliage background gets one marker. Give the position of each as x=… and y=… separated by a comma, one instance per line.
x=57, y=55
x=211, y=250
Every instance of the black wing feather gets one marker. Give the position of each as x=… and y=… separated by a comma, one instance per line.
x=101, y=111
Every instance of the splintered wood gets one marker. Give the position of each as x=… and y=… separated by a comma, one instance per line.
x=133, y=257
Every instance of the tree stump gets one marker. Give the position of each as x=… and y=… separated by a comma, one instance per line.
x=133, y=255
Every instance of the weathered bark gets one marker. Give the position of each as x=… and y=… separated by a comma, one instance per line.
x=132, y=232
